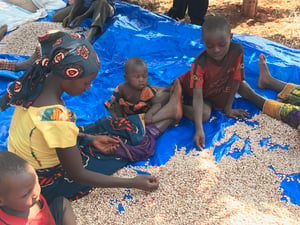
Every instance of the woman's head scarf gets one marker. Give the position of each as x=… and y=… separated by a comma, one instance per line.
x=65, y=55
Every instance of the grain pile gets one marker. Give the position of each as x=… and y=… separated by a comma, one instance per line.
x=24, y=40
x=194, y=189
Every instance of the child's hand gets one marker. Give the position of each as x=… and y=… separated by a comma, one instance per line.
x=199, y=139
x=145, y=182
x=236, y=113
x=105, y=144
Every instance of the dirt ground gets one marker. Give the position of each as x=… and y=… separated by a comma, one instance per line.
x=277, y=20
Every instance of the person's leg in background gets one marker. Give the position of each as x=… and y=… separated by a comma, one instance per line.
x=197, y=10
x=101, y=11
x=3, y=30
x=178, y=9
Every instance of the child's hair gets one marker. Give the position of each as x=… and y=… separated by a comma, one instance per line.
x=11, y=164
x=133, y=62
x=214, y=23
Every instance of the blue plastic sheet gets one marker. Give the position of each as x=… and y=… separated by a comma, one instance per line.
x=168, y=48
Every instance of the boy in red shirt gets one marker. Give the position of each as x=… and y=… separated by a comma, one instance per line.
x=214, y=78
x=20, y=200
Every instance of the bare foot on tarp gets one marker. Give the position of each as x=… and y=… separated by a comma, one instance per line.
x=175, y=101
x=264, y=74
x=3, y=30
x=173, y=109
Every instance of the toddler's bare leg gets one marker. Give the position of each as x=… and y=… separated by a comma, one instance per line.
x=265, y=78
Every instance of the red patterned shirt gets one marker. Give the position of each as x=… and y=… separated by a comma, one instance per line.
x=215, y=78
x=43, y=217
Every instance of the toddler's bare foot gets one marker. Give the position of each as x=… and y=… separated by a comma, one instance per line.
x=264, y=74
x=3, y=30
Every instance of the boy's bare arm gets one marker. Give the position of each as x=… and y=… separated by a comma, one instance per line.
x=199, y=137
x=234, y=113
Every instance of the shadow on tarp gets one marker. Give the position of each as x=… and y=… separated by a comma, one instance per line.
x=168, y=48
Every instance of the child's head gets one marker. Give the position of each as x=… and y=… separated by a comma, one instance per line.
x=136, y=73
x=216, y=35
x=19, y=186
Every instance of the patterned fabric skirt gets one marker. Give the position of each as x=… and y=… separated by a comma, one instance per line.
x=140, y=142
x=288, y=109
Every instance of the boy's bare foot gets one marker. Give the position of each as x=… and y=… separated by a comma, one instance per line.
x=176, y=100
x=173, y=109
x=264, y=74
x=3, y=30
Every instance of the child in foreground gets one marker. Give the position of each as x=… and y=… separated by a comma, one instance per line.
x=21, y=202
x=136, y=96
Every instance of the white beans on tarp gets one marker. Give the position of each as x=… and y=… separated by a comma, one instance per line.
x=23, y=40
x=194, y=189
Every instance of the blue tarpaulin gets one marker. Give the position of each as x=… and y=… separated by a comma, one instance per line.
x=168, y=48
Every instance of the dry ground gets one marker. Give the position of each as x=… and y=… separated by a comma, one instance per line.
x=276, y=20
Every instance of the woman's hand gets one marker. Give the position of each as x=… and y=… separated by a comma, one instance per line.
x=145, y=182
x=105, y=144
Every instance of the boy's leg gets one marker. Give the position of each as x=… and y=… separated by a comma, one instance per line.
x=62, y=211
x=68, y=214
x=60, y=15
x=188, y=111
x=3, y=30
x=197, y=10
x=173, y=109
x=102, y=10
